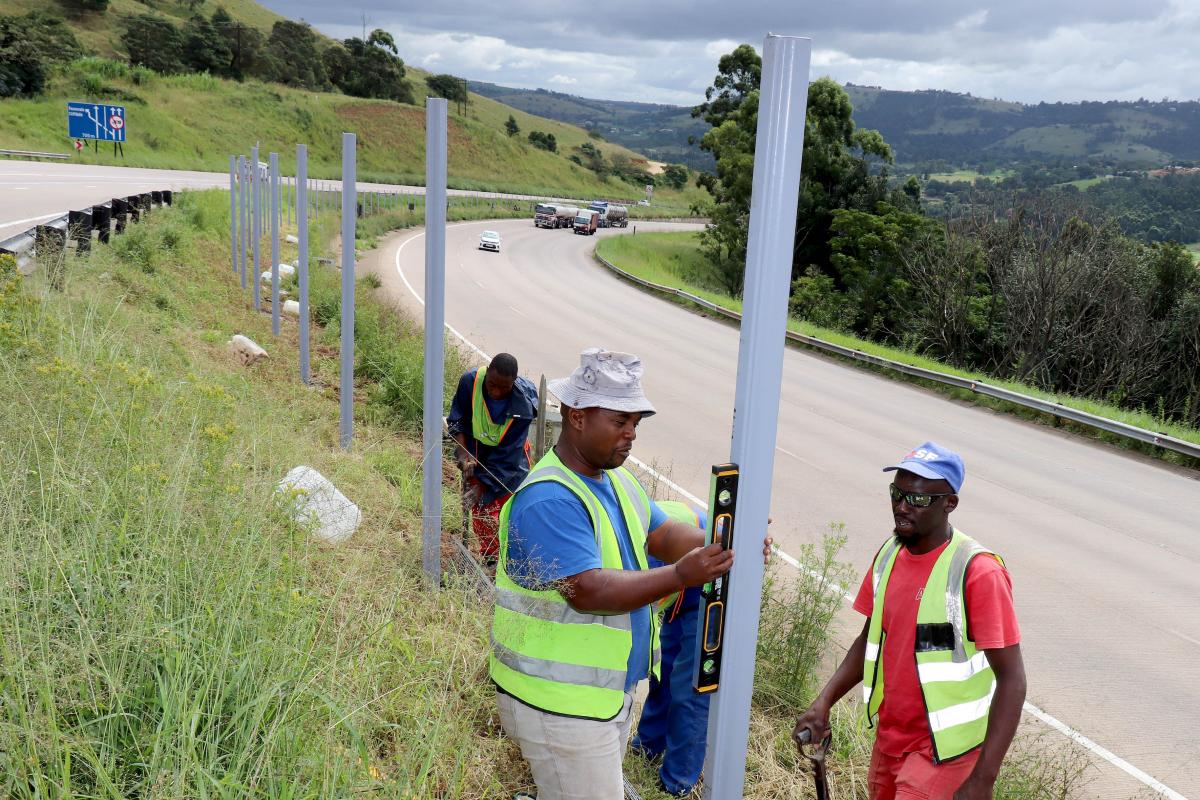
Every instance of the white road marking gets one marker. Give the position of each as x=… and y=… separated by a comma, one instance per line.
x=1066, y=730
x=787, y=452
x=519, y=311
x=7, y=223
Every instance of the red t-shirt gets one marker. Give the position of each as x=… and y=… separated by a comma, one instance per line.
x=903, y=727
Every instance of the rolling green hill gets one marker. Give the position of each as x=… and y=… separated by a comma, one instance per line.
x=659, y=131
x=930, y=130
x=196, y=121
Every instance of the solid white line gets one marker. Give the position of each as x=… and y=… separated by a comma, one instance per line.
x=1033, y=710
x=1104, y=753
x=7, y=223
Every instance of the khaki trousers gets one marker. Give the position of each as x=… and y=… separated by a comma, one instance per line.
x=571, y=759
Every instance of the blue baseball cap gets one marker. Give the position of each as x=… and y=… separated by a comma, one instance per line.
x=935, y=462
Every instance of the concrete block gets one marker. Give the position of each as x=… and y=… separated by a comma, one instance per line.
x=312, y=500
x=291, y=239
x=285, y=272
x=246, y=350
x=291, y=308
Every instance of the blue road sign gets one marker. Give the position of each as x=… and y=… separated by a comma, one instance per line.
x=96, y=121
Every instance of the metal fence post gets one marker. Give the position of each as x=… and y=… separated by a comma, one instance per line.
x=776, y=187
x=275, y=243
x=233, y=214
x=302, y=261
x=436, y=116
x=256, y=183
x=243, y=237
x=349, y=226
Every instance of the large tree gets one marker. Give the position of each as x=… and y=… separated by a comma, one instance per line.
x=295, y=56
x=153, y=41
x=450, y=87
x=370, y=68
x=205, y=49
x=843, y=167
x=245, y=45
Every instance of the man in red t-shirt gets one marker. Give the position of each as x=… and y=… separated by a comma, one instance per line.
x=905, y=763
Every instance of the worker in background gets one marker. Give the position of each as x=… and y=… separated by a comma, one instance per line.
x=489, y=418
x=939, y=656
x=573, y=633
x=674, y=721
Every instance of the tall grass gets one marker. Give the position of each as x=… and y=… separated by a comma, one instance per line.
x=167, y=631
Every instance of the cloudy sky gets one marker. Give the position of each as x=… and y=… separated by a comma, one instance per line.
x=666, y=51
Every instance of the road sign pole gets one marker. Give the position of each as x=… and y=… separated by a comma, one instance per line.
x=302, y=261
x=435, y=333
x=233, y=214
x=349, y=227
x=776, y=187
x=275, y=243
x=256, y=190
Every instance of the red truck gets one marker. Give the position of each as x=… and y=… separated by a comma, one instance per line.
x=586, y=221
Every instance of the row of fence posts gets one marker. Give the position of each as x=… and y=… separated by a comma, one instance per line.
x=261, y=201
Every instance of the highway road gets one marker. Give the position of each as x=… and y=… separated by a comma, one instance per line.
x=1101, y=543
x=34, y=191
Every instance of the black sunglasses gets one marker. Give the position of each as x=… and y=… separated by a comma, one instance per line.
x=914, y=499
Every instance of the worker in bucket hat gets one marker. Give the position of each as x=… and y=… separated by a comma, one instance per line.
x=574, y=631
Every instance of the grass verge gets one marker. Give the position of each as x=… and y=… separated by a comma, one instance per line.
x=673, y=259
x=167, y=630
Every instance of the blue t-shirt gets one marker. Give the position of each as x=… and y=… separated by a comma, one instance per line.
x=550, y=537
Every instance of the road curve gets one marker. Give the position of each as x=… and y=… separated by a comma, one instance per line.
x=34, y=191
x=1101, y=543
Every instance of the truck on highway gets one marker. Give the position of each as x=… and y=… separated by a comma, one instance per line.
x=550, y=215
x=586, y=221
x=545, y=215
x=617, y=217
x=601, y=209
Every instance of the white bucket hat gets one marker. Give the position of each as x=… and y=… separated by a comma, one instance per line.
x=604, y=379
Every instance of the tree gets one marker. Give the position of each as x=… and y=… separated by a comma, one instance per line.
x=450, y=87
x=245, y=45
x=839, y=167
x=49, y=35
x=95, y=6
x=204, y=48
x=294, y=56
x=22, y=69
x=675, y=175
x=544, y=141
x=511, y=127
x=153, y=42
x=369, y=68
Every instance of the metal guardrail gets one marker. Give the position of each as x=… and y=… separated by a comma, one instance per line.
x=33, y=154
x=54, y=236
x=1036, y=403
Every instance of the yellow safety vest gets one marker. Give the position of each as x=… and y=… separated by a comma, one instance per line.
x=957, y=683
x=483, y=428
x=544, y=652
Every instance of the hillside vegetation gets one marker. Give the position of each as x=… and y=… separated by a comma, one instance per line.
x=184, y=119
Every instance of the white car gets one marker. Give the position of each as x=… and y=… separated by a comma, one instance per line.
x=643, y=202
x=489, y=240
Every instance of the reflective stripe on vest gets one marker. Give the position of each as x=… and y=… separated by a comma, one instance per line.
x=546, y=653
x=483, y=428
x=957, y=683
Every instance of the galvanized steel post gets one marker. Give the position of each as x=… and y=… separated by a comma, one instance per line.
x=776, y=187
x=243, y=238
x=302, y=261
x=275, y=243
x=436, y=115
x=256, y=183
x=349, y=226
x=233, y=214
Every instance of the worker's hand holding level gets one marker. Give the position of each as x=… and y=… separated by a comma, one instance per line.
x=466, y=465
x=703, y=564
x=815, y=721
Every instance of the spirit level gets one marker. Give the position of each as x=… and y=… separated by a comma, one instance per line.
x=722, y=504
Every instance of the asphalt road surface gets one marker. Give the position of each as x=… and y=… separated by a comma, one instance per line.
x=34, y=191
x=1102, y=544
